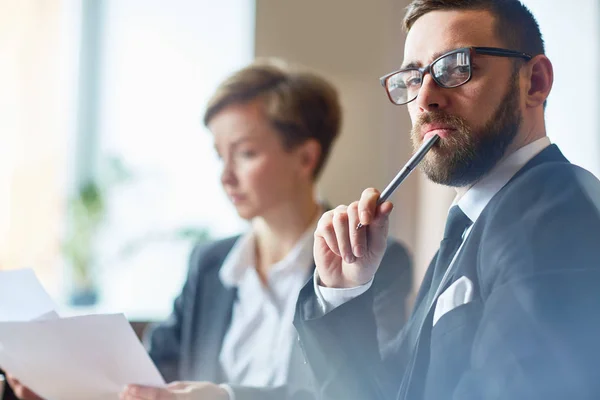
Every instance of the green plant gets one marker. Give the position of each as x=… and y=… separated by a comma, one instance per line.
x=86, y=213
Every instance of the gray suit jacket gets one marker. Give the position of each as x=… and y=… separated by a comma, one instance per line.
x=187, y=345
x=531, y=330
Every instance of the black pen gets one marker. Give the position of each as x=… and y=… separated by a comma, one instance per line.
x=406, y=170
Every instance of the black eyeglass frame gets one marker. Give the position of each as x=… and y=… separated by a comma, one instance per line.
x=487, y=51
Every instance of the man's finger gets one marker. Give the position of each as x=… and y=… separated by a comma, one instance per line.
x=382, y=214
x=377, y=231
x=326, y=231
x=358, y=237
x=367, y=205
x=342, y=234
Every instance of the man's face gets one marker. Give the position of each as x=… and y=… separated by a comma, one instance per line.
x=477, y=121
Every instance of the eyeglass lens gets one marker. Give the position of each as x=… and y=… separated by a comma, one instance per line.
x=448, y=71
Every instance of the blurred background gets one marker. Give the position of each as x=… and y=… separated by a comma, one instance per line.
x=108, y=177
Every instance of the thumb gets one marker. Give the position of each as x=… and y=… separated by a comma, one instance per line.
x=378, y=228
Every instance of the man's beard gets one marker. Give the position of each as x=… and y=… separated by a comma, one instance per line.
x=466, y=155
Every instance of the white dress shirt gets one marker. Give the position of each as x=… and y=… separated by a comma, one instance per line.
x=257, y=347
x=472, y=203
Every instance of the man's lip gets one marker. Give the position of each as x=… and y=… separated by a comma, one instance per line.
x=441, y=131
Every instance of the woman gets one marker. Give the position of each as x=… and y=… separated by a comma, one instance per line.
x=230, y=335
x=273, y=129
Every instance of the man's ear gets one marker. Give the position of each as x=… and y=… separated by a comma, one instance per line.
x=540, y=76
x=309, y=154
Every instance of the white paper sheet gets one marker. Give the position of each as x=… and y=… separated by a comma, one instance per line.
x=87, y=357
x=23, y=298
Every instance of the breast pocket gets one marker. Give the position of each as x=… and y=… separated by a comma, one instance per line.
x=451, y=342
x=454, y=326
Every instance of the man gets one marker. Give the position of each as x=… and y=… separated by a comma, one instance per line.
x=508, y=308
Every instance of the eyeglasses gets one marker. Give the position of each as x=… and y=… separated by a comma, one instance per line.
x=450, y=70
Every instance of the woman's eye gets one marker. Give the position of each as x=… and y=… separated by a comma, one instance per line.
x=247, y=153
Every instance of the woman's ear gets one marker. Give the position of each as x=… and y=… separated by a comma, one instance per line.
x=309, y=154
x=540, y=77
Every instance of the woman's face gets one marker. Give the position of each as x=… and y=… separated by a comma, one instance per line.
x=258, y=174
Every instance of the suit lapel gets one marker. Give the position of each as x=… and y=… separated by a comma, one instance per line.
x=214, y=320
x=549, y=154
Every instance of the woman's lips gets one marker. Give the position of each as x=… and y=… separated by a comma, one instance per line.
x=236, y=198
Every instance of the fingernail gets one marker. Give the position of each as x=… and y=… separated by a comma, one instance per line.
x=358, y=251
x=349, y=259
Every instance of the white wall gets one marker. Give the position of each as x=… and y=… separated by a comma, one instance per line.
x=572, y=34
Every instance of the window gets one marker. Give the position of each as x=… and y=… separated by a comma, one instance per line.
x=160, y=61
x=93, y=84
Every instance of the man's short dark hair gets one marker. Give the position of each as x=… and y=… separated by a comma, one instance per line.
x=516, y=26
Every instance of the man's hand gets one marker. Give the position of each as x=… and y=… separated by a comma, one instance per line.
x=176, y=391
x=22, y=392
x=348, y=257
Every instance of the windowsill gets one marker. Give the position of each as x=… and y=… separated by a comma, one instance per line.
x=133, y=315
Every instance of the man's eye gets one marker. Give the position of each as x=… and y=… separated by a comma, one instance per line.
x=461, y=69
x=413, y=82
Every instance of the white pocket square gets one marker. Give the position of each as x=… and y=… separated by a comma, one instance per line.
x=457, y=294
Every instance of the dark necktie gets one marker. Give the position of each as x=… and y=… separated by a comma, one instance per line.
x=456, y=225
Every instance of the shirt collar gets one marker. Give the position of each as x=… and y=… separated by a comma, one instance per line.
x=477, y=197
x=242, y=256
x=238, y=260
